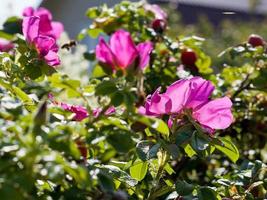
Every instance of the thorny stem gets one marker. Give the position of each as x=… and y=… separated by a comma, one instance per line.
x=245, y=84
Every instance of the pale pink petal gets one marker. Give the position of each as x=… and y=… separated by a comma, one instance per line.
x=123, y=47
x=215, y=114
x=52, y=59
x=57, y=29
x=5, y=45
x=157, y=11
x=144, y=50
x=142, y=110
x=30, y=28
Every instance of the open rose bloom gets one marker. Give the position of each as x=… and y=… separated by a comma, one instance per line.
x=42, y=33
x=122, y=53
x=191, y=94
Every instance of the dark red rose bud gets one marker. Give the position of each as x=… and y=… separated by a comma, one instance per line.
x=255, y=40
x=159, y=25
x=188, y=57
x=82, y=148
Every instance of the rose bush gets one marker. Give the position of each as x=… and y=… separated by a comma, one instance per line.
x=199, y=135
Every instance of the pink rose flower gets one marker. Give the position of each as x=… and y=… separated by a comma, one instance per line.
x=5, y=45
x=48, y=27
x=121, y=52
x=41, y=32
x=194, y=94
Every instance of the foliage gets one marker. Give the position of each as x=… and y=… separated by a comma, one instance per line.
x=48, y=152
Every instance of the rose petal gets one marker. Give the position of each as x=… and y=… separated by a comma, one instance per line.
x=123, y=47
x=144, y=50
x=215, y=114
x=30, y=27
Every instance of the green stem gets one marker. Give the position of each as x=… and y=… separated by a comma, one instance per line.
x=162, y=162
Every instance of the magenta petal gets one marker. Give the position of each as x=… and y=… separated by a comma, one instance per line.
x=179, y=93
x=111, y=110
x=123, y=47
x=52, y=59
x=30, y=27
x=104, y=54
x=160, y=103
x=201, y=90
x=215, y=114
x=43, y=12
x=45, y=24
x=27, y=12
x=80, y=112
x=144, y=50
x=44, y=44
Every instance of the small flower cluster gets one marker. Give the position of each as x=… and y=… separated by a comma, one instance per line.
x=80, y=112
x=191, y=94
x=42, y=33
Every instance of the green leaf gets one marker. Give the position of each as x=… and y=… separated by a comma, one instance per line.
x=154, y=123
x=199, y=143
x=183, y=135
x=206, y=193
x=125, y=141
x=27, y=101
x=94, y=32
x=189, y=150
x=118, y=174
x=121, y=124
x=183, y=188
x=228, y=148
x=92, y=12
x=138, y=170
x=106, y=182
x=117, y=98
x=70, y=85
x=105, y=88
x=147, y=150
x=98, y=72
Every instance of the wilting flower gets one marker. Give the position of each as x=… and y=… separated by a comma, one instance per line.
x=191, y=94
x=5, y=45
x=157, y=11
x=159, y=24
x=41, y=32
x=121, y=52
